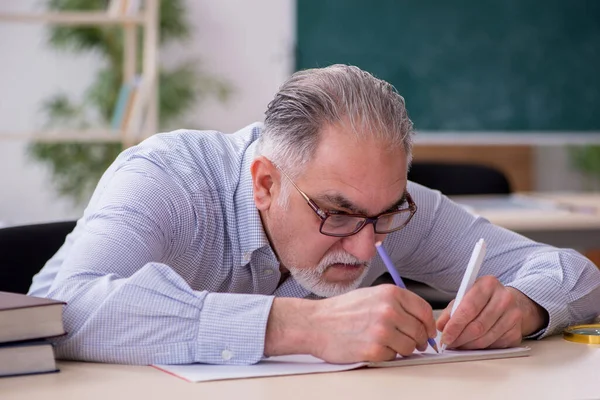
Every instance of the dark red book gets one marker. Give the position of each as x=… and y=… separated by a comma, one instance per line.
x=25, y=317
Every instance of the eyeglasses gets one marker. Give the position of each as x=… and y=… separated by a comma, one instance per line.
x=341, y=224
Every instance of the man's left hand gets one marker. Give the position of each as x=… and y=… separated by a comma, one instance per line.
x=491, y=316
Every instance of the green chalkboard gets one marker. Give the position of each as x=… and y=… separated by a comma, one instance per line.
x=468, y=65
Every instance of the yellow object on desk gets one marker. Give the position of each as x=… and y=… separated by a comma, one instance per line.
x=588, y=334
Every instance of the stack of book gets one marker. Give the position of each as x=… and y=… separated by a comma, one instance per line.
x=26, y=322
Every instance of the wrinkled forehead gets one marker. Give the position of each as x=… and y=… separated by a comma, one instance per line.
x=373, y=160
x=368, y=176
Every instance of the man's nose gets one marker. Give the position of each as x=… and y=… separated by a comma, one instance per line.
x=362, y=244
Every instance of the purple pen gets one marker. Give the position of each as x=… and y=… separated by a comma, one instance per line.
x=397, y=280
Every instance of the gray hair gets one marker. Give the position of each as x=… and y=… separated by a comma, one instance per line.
x=339, y=94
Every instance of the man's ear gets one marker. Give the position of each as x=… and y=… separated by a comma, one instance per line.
x=262, y=170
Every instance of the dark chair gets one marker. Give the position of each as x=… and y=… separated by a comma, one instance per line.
x=451, y=180
x=25, y=249
x=459, y=179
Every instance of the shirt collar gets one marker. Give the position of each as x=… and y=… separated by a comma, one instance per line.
x=251, y=233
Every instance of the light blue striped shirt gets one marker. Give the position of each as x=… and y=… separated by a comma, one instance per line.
x=170, y=264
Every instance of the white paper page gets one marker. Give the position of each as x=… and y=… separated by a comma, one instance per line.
x=273, y=366
x=431, y=357
x=306, y=364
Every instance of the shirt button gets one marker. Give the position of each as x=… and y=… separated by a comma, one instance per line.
x=247, y=257
x=268, y=271
x=226, y=354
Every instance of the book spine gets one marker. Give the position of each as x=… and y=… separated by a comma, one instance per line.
x=120, y=106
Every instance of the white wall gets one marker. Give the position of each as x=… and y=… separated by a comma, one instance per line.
x=247, y=43
x=28, y=74
x=553, y=171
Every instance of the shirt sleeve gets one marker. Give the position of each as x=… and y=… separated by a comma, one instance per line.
x=437, y=247
x=125, y=306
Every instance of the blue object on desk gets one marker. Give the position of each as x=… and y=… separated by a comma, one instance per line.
x=398, y=280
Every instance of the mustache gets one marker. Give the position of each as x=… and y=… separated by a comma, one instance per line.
x=339, y=257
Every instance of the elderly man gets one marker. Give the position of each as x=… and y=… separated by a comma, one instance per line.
x=213, y=248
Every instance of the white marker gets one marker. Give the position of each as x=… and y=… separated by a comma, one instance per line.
x=469, y=278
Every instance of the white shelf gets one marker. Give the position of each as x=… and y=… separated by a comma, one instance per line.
x=144, y=113
x=73, y=18
x=91, y=135
x=532, y=138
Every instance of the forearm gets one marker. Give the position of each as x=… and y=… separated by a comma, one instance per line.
x=535, y=317
x=289, y=327
x=565, y=284
x=154, y=317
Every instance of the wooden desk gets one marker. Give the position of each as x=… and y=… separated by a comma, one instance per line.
x=556, y=369
x=575, y=224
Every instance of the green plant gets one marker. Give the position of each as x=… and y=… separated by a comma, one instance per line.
x=77, y=167
x=587, y=160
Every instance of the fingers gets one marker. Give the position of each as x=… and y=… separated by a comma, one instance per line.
x=511, y=338
x=403, y=344
x=396, y=342
x=413, y=329
x=405, y=323
x=376, y=353
x=487, y=319
x=506, y=332
x=419, y=309
x=470, y=307
x=393, y=330
x=399, y=322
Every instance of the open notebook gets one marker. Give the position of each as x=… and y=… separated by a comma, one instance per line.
x=305, y=364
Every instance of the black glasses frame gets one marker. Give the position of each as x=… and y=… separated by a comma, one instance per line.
x=325, y=214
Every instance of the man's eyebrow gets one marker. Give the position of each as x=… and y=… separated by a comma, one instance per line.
x=398, y=203
x=340, y=201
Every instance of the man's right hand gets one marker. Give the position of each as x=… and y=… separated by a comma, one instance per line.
x=369, y=324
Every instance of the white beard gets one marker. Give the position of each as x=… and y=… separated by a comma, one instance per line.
x=312, y=280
